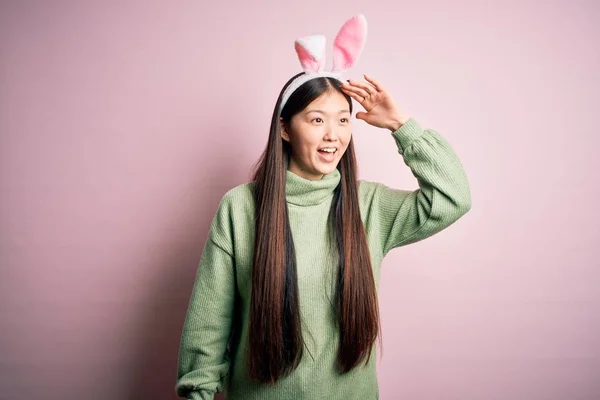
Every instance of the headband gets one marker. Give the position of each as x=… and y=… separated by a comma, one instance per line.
x=347, y=46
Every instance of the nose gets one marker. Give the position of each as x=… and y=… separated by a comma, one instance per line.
x=331, y=135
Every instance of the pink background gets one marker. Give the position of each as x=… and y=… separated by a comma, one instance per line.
x=123, y=124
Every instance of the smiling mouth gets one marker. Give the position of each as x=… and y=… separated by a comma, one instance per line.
x=328, y=150
x=327, y=156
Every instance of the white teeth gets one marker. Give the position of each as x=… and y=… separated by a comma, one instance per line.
x=329, y=150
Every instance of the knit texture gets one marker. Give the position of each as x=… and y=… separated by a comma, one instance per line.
x=218, y=311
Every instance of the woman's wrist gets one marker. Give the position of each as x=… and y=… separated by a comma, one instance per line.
x=397, y=122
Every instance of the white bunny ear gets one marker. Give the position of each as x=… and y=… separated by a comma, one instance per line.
x=349, y=43
x=311, y=53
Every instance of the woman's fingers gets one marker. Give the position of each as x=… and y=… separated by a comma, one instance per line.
x=375, y=83
x=361, y=91
x=355, y=96
x=367, y=87
x=354, y=89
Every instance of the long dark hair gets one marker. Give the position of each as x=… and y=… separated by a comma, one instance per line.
x=275, y=336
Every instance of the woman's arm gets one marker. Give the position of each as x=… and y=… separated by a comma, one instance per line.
x=204, y=359
x=401, y=217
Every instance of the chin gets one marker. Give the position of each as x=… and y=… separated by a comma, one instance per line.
x=328, y=169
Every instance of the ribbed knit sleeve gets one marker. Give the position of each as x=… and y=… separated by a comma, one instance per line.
x=204, y=359
x=401, y=217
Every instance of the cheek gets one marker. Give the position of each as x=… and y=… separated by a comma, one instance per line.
x=311, y=147
x=307, y=142
x=346, y=138
x=304, y=145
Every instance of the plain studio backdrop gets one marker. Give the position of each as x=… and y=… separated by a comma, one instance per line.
x=123, y=124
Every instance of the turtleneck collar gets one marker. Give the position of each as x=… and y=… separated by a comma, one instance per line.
x=304, y=192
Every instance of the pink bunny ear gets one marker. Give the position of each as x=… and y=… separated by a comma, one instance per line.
x=349, y=43
x=311, y=52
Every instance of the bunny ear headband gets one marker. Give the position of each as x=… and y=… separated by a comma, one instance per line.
x=347, y=46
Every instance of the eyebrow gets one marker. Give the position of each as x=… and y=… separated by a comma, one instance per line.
x=323, y=112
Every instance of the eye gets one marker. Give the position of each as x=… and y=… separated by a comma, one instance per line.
x=345, y=119
x=314, y=119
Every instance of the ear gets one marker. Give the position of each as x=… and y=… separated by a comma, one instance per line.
x=311, y=53
x=284, y=133
x=349, y=43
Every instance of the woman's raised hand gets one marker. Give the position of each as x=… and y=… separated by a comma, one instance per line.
x=381, y=108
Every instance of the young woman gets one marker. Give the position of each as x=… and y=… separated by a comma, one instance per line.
x=284, y=304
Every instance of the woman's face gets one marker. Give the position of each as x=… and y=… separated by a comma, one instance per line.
x=323, y=124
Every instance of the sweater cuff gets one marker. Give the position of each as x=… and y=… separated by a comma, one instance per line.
x=201, y=395
x=406, y=134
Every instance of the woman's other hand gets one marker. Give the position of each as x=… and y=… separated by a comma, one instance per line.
x=381, y=109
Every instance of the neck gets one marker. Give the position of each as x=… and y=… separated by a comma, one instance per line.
x=306, y=192
x=296, y=169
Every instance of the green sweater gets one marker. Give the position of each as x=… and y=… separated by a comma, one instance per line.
x=220, y=301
